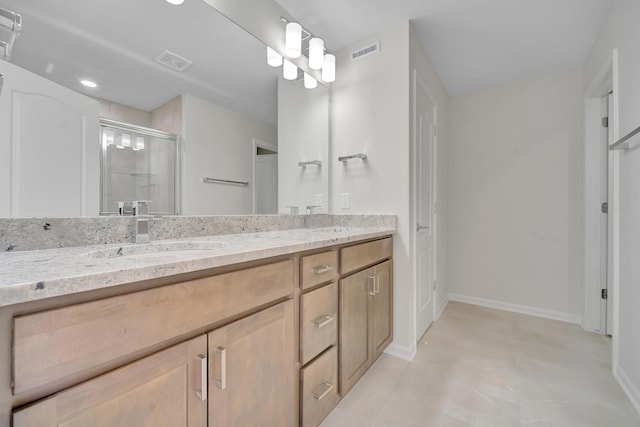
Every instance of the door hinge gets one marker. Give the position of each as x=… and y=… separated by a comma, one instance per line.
x=605, y=207
x=605, y=122
x=604, y=293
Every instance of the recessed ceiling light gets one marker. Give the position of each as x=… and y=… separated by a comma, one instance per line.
x=176, y=2
x=89, y=83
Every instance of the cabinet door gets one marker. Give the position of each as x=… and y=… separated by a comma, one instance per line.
x=163, y=389
x=354, y=327
x=382, y=308
x=251, y=366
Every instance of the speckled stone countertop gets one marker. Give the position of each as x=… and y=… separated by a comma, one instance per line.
x=38, y=274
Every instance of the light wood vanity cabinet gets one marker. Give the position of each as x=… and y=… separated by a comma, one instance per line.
x=251, y=370
x=236, y=374
x=318, y=337
x=366, y=307
x=162, y=389
x=222, y=350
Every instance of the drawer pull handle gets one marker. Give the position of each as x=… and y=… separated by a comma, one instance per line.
x=320, y=269
x=222, y=382
x=202, y=393
x=376, y=285
x=322, y=390
x=371, y=285
x=323, y=321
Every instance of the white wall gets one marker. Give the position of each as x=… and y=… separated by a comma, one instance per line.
x=419, y=61
x=371, y=115
x=622, y=32
x=303, y=135
x=218, y=144
x=515, y=194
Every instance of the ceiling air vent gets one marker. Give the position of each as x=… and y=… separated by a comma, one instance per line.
x=365, y=51
x=173, y=61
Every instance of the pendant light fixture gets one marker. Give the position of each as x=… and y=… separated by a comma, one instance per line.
x=296, y=40
x=310, y=82
x=329, y=68
x=289, y=70
x=316, y=53
x=274, y=59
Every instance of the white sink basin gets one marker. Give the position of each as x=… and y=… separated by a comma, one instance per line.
x=154, y=248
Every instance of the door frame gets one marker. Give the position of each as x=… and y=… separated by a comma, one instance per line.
x=255, y=144
x=605, y=81
x=418, y=81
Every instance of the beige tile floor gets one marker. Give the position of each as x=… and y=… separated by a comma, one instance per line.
x=477, y=366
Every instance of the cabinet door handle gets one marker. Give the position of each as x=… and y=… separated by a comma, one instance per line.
x=323, y=321
x=376, y=285
x=320, y=269
x=202, y=393
x=322, y=390
x=222, y=382
x=371, y=284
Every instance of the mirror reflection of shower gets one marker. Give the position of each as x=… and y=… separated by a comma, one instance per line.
x=138, y=164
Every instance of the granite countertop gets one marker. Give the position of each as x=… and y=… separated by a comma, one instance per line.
x=38, y=274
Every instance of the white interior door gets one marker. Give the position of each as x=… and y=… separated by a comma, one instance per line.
x=266, y=184
x=424, y=150
x=49, y=150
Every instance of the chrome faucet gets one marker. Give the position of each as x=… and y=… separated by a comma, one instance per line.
x=310, y=221
x=142, y=230
x=140, y=209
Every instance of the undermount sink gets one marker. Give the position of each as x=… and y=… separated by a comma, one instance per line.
x=154, y=248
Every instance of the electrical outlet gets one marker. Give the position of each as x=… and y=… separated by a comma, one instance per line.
x=344, y=200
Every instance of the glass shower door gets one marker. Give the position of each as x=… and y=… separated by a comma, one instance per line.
x=138, y=164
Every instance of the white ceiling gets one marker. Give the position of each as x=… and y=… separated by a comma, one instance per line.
x=472, y=43
x=115, y=42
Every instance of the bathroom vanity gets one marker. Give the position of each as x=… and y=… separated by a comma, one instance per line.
x=268, y=328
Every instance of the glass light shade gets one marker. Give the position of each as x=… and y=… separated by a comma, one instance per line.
x=126, y=140
x=289, y=70
x=293, y=40
x=310, y=82
x=316, y=53
x=175, y=2
x=274, y=59
x=139, y=143
x=329, y=68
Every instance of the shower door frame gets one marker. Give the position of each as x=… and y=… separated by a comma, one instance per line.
x=144, y=131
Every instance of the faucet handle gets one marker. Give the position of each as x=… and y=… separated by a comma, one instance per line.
x=141, y=207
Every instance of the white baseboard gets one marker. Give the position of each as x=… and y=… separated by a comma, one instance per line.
x=628, y=386
x=523, y=309
x=441, y=308
x=401, y=351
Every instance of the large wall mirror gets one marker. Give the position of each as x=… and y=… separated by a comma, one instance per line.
x=249, y=141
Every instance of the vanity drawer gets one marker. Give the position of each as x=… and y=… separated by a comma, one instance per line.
x=319, y=388
x=75, y=342
x=365, y=254
x=318, y=268
x=318, y=321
